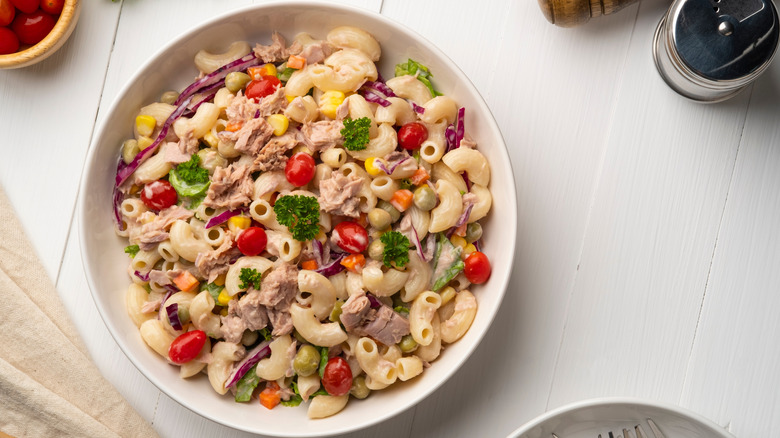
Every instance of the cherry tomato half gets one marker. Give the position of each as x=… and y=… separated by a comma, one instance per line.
x=350, y=237
x=7, y=12
x=159, y=194
x=187, y=346
x=53, y=7
x=252, y=241
x=26, y=6
x=477, y=268
x=9, y=43
x=412, y=135
x=337, y=378
x=262, y=87
x=299, y=169
x=31, y=28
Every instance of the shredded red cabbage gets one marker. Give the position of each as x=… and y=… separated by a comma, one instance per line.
x=173, y=316
x=381, y=87
x=118, y=198
x=375, y=303
x=316, y=249
x=207, y=94
x=162, y=303
x=460, y=129
x=171, y=288
x=465, y=216
x=223, y=217
x=418, y=109
x=372, y=97
x=218, y=75
x=332, y=268
x=251, y=359
x=381, y=166
x=449, y=135
x=398, y=163
x=143, y=277
x=418, y=244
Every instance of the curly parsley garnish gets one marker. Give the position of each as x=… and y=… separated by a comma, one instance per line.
x=396, y=249
x=300, y=214
x=355, y=133
x=132, y=250
x=249, y=277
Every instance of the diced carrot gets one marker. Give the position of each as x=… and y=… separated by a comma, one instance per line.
x=402, y=199
x=461, y=230
x=270, y=396
x=353, y=261
x=185, y=281
x=420, y=176
x=234, y=126
x=254, y=72
x=363, y=220
x=309, y=265
x=296, y=62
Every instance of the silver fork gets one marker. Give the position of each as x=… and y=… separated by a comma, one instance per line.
x=638, y=432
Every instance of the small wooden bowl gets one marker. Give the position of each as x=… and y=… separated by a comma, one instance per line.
x=50, y=43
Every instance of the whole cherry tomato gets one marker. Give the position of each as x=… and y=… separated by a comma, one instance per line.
x=299, y=169
x=53, y=7
x=31, y=28
x=9, y=43
x=26, y=6
x=252, y=241
x=350, y=237
x=7, y=12
x=159, y=194
x=262, y=87
x=477, y=268
x=187, y=346
x=337, y=378
x=412, y=135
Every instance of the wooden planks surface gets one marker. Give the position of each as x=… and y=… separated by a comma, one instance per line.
x=647, y=253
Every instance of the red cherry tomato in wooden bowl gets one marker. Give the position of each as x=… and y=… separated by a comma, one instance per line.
x=32, y=28
x=252, y=241
x=412, y=135
x=7, y=12
x=187, y=346
x=158, y=195
x=477, y=268
x=350, y=237
x=337, y=378
x=299, y=169
x=26, y=6
x=53, y=7
x=262, y=87
x=9, y=43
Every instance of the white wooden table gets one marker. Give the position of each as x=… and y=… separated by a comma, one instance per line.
x=648, y=260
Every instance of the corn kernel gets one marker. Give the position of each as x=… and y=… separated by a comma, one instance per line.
x=329, y=103
x=220, y=280
x=458, y=241
x=144, y=142
x=290, y=98
x=211, y=139
x=224, y=298
x=224, y=311
x=469, y=249
x=268, y=70
x=279, y=122
x=302, y=148
x=447, y=294
x=145, y=125
x=237, y=223
x=371, y=167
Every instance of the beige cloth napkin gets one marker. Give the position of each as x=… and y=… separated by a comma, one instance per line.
x=48, y=385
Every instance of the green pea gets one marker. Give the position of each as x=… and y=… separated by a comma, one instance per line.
x=407, y=344
x=236, y=80
x=359, y=390
x=379, y=219
x=184, y=313
x=336, y=312
x=169, y=97
x=473, y=232
x=424, y=198
x=299, y=338
x=129, y=150
x=306, y=361
x=376, y=249
x=388, y=207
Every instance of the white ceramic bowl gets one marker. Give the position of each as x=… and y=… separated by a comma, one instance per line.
x=171, y=68
x=589, y=418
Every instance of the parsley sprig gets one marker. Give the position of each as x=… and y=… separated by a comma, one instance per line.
x=300, y=214
x=396, y=249
x=249, y=277
x=132, y=250
x=355, y=133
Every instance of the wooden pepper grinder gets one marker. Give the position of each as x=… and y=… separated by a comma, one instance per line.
x=570, y=13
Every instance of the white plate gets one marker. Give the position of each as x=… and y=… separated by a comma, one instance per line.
x=172, y=68
x=589, y=418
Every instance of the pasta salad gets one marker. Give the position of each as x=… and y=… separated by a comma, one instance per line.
x=300, y=229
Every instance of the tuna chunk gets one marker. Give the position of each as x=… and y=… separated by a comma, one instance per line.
x=316, y=52
x=272, y=155
x=354, y=310
x=273, y=103
x=277, y=50
x=214, y=263
x=338, y=194
x=322, y=135
x=233, y=325
x=231, y=187
x=384, y=325
x=251, y=137
x=277, y=293
x=240, y=109
x=150, y=234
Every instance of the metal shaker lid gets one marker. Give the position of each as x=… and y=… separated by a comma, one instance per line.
x=724, y=40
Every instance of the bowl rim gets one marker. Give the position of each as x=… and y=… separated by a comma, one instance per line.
x=622, y=401
x=509, y=233
x=46, y=47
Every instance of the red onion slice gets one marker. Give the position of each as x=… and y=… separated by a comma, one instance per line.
x=173, y=316
x=372, y=97
x=251, y=359
x=223, y=217
x=418, y=109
